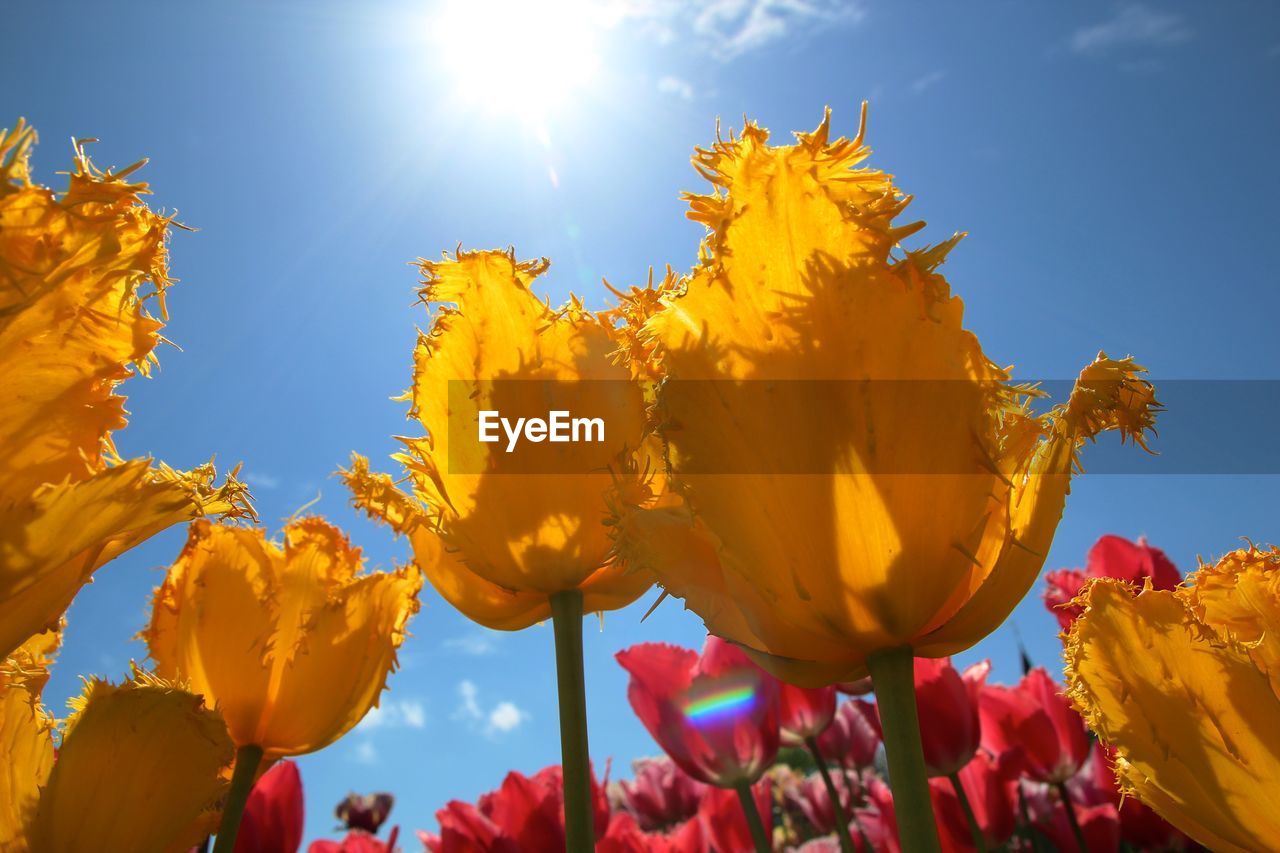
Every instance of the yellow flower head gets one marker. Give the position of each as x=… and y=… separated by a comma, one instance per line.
x=497, y=540
x=141, y=767
x=1184, y=685
x=289, y=640
x=861, y=476
x=73, y=326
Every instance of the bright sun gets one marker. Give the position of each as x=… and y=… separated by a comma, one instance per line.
x=509, y=56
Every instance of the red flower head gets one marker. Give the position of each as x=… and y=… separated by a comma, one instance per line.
x=805, y=712
x=1110, y=557
x=1035, y=722
x=273, y=815
x=992, y=789
x=1100, y=826
x=877, y=823
x=715, y=715
x=853, y=736
x=662, y=794
x=357, y=841
x=626, y=836
x=1139, y=825
x=365, y=811
x=950, y=729
x=810, y=797
x=861, y=687
x=725, y=825
x=525, y=814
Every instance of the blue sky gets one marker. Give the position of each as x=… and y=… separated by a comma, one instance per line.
x=1113, y=163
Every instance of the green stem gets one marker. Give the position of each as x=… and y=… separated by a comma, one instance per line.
x=979, y=840
x=579, y=821
x=246, y=768
x=837, y=807
x=754, y=823
x=1071, y=816
x=893, y=677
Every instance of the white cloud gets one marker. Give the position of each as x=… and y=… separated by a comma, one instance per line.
x=365, y=752
x=928, y=80
x=1133, y=24
x=676, y=86
x=476, y=643
x=403, y=713
x=262, y=481
x=503, y=717
x=730, y=28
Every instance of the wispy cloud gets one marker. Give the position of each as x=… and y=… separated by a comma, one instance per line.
x=365, y=752
x=403, y=713
x=928, y=80
x=477, y=643
x=1132, y=24
x=730, y=28
x=503, y=717
x=676, y=86
x=259, y=480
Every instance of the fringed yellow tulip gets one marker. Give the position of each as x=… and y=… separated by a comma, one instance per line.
x=289, y=641
x=1184, y=685
x=141, y=767
x=495, y=540
x=858, y=476
x=73, y=326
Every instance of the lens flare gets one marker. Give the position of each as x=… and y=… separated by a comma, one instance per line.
x=724, y=699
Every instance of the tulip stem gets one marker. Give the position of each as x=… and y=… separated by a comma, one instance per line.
x=979, y=841
x=246, y=768
x=1071, y=816
x=893, y=677
x=579, y=821
x=754, y=823
x=837, y=807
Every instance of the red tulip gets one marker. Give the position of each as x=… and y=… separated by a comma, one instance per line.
x=626, y=836
x=1036, y=723
x=990, y=784
x=715, y=715
x=1110, y=557
x=273, y=815
x=1100, y=826
x=357, y=841
x=861, y=687
x=1139, y=825
x=804, y=712
x=723, y=823
x=950, y=729
x=662, y=794
x=525, y=814
x=810, y=797
x=877, y=822
x=853, y=737
x=365, y=811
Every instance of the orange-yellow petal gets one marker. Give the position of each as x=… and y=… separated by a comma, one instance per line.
x=140, y=768
x=1195, y=724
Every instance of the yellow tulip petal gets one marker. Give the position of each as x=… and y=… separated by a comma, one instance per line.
x=26, y=736
x=140, y=768
x=1240, y=599
x=1191, y=717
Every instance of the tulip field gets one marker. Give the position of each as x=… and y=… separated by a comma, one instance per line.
x=789, y=435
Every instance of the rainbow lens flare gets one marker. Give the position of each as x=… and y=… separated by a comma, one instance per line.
x=719, y=700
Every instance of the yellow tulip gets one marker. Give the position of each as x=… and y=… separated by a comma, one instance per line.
x=1184, y=685
x=73, y=326
x=290, y=641
x=497, y=540
x=858, y=476
x=141, y=767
